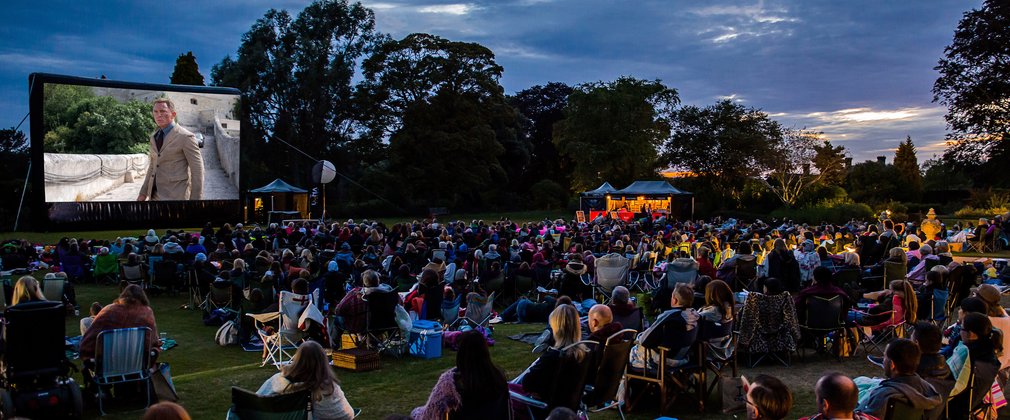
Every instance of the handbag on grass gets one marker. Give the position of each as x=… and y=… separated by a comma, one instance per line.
x=734, y=397
x=161, y=382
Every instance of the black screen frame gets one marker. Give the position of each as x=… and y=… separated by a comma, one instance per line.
x=119, y=214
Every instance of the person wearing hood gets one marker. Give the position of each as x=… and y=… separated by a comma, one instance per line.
x=151, y=240
x=345, y=257
x=353, y=308
x=901, y=359
x=571, y=281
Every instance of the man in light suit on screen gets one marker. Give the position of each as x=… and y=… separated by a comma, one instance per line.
x=175, y=168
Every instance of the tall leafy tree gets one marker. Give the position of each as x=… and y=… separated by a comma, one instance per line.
x=830, y=161
x=187, y=72
x=909, y=175
x=447, y=151
x=401, y=73
x=791, y=175
x=423, y=75
x=296, y=75
x=872, y=182
x=541, y=108
x=726, y=143
x=612, y=130
x=974, y=85
x=939, y=175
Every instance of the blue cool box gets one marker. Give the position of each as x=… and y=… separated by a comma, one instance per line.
x=426, y=339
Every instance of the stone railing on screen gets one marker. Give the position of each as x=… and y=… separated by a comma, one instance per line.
x=79, y=177
x=227, y=141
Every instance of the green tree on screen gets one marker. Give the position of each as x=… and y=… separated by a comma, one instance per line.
x=187, y=72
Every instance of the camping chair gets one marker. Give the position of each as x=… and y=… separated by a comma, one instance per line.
x=717, y=359
x=135, y=274
x=523, y=286
x=679, y=273
x=220, y=296
x=165, y=274
x=611, y=271
x=52, y=289
x=823, y=317
x=291, y=310
x=640, y=276
x=745, y=274
x=602, y=393
x=769, y=332
x=684, y=378
x=892, y=271
x=567, y=391
x=896, y=329
x=106, y=267
x=382, y=332
x=938, y=310
x=900, y=410
x=847, y=278
x=121, y=356
x=450, y=310
x=495, y=284
x=635, y=320
x=247, y=405
x=478, y=312
x=77, y=267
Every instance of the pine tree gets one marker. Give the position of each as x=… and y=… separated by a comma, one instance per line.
x=186, y=71
x=909, y=175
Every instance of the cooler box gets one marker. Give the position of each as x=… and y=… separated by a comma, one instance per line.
x=426, y=339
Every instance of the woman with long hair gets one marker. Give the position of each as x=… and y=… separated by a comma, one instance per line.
x=539, y=379
x=27, y=290
x=310, y=369
x=897, y=304
x=719, y=302
x=131, y=309
x=475, y=388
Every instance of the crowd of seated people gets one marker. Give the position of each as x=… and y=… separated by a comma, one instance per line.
x=426, y=261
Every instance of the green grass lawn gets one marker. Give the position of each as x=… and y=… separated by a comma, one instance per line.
x=204, y=372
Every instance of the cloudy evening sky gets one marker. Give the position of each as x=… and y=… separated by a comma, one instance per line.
x=858, y=70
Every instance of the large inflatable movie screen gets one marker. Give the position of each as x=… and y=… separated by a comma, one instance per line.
x=116, y=142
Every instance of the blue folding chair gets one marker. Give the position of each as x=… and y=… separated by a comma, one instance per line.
x=122, y=356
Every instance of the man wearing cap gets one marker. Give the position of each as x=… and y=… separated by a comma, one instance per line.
x=175, y=165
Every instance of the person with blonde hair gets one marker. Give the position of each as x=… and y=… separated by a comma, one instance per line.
x=310, y=369
x=27, y=290
x=539, y=379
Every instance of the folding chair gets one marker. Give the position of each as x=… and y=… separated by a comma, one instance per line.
x=247, y=405
x=900, y=410
x=823, y=317
x=604, y=391
x=634, y=320
x=478, y=312
x=611, y=271
x=717, y=359
x=767, y=333
x=287, y=335
x=219, y=297
x=135, y=274
x=382, y=332
x=745, y=274
x=523, y=285
x=106, y=267
x=938, y=310
x=687, y=377
x=121, y=356
x=896, y=329
x=567, y=391
x=450, y=311
x=52, y=289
